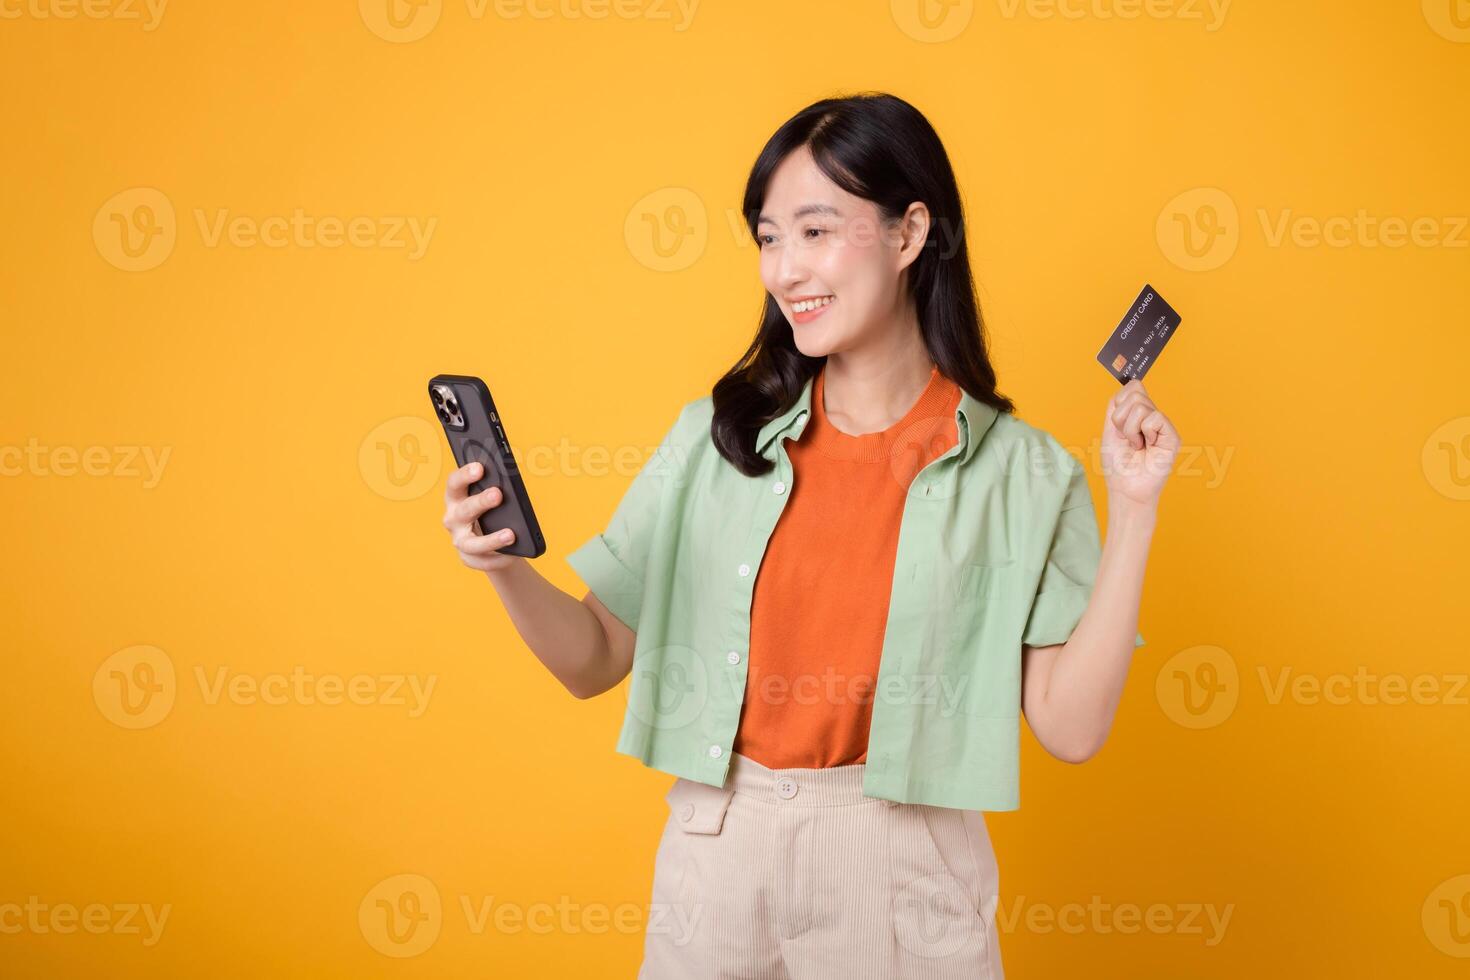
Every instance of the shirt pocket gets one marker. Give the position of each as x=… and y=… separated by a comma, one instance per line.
x=987, y=581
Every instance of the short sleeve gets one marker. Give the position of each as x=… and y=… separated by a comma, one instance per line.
x=614, y=563
x=1071, y=566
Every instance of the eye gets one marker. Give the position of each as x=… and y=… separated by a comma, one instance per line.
x=763, y=239
x=819, y=231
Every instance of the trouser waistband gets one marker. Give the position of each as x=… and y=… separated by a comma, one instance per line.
x=834, y=786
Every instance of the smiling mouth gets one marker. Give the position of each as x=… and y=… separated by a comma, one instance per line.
x=809, y=309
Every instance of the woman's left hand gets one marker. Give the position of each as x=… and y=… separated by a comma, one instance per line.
x=1138, y=446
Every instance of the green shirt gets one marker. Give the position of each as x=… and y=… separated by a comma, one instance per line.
x=998, y=547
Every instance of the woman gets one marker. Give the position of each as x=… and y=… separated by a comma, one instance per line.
x=842, y=579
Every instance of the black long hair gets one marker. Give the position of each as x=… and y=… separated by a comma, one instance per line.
x=880, y=148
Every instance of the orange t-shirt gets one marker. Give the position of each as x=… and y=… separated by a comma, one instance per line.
x=820, y=603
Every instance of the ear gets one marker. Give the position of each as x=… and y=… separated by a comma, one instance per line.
x=913, y=232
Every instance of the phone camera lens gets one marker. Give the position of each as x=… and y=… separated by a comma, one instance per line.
x=443, y=415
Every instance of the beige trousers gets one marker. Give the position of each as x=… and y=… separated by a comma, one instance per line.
x=794, y=874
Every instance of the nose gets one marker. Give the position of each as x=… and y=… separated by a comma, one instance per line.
x=790, y=269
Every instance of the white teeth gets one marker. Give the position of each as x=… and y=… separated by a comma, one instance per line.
x=810, y=304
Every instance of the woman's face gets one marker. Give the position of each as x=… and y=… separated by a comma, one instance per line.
x=818, y=242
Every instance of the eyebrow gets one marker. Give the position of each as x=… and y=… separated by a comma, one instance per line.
x=805, y=209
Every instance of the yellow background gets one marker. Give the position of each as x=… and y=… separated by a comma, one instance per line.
x=1328, y=382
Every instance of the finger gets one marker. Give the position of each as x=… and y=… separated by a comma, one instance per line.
x=484, y=544
x=1151, y=426
x=1133, y=426
x=472, y=507
x=1125, y=397
x=1121, y=412
x=1131, y=387
x=454, y=487
x=1158, y=430
x=1132, y=410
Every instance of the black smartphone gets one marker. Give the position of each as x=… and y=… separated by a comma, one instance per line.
x=477, y=435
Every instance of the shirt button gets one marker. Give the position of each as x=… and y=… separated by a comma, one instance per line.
x=686, y=812
x=732, y=657
x=779, y=488
x=714, y=751
x=785, y=787
x=744, y=569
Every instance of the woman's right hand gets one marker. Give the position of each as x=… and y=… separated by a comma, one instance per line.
x=480, y=551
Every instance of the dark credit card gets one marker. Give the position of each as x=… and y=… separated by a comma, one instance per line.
x=1137, y=341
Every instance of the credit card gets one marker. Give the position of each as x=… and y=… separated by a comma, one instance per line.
x=1136, y=342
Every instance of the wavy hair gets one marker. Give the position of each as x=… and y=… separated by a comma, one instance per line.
x=880, y=148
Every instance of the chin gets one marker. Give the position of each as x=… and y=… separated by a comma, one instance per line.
x=814, y=347
x=815, y=339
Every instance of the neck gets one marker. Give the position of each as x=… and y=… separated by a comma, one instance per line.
x=868, y=389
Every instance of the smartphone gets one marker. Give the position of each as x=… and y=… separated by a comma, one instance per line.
x=477, y=435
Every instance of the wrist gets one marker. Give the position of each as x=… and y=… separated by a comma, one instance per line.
x=507, y=572
x=1126, y=513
